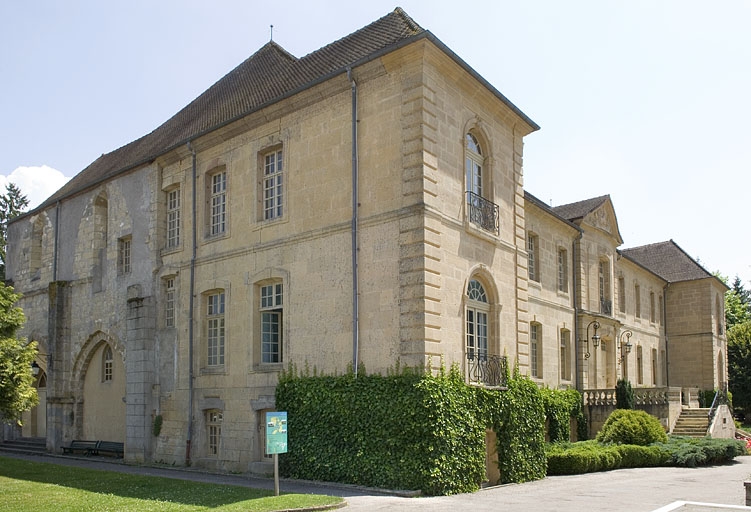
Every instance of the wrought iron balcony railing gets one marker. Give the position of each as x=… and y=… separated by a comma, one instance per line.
x=606, y=306
x=486, y=369
x=483, y=213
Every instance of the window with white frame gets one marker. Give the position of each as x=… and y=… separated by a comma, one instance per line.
x=218, y=203
x=565, y=354
x=535, y=350
x=123, y=255
x=107, y=364
x=169, y=302
x=477, y=321
x=273, y=185
x=562, y=270
x=271, y=316
x=173, y=218
x=215, y=328
x=533, y=257
x=214, y=420
x=473, y=165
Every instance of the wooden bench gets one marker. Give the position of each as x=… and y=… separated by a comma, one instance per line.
x=79, y=445
x=109, y=447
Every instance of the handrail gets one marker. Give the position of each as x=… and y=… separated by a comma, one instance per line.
x=720, y=398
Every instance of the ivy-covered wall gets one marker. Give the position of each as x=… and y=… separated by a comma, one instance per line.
x=409, y=430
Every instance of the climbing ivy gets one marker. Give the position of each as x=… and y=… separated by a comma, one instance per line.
x=409, y=429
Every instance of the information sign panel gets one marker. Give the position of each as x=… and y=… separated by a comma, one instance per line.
x=276, y=432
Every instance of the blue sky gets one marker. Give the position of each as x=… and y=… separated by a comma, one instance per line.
x=647, y=101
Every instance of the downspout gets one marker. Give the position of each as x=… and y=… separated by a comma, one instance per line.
x=355, y=206
x=575, y=282
x=57, y=237
x=189, y=436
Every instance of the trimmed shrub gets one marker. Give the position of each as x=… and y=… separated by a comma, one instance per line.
x=692, y=452
x=625, y=426
x=591, y=456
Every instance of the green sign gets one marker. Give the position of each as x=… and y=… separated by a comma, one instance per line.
x=276, y=432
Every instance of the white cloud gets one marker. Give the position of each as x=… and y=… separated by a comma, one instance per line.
x=36, y=183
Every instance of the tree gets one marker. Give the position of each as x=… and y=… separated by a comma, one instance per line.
x=17, y=392
x=739, y=364
x=737, y=302
x=12, y=204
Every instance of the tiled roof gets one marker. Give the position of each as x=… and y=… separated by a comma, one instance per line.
x=667, y=260
x=576, y=211
x=541, y=205
x=267, y=76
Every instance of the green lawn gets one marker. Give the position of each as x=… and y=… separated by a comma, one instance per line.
x=30, y=486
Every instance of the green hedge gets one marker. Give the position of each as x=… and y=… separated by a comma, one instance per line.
x=411, y=430
x=590, y=456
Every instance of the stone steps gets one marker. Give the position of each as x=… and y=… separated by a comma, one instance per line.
x=692, y=423
x=28, y=445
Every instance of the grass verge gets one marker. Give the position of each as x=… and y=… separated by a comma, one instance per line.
x=32, y=486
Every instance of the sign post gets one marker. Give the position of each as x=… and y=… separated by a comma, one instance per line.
x=276, y=441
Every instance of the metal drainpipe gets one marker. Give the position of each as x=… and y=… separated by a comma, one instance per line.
x=579, y=376
x=355, y=206
x=189, y=436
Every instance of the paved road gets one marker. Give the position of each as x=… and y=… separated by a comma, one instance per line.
x=625, y=490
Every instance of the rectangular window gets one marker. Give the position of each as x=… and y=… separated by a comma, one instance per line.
x=654, y=366
x=271, y=322
x=214, y=430
x=652, y=307
x=123, y=255
x=218, y=213
x=273, y=186
x=639, y=366
x=533, y=260
x=637, y=300
x=215, y=329
x=107, y=363
x=535, y=350
x=173, y=218
x=562, y=270
x=565, y=354
x=169, y=302
x=621, y=294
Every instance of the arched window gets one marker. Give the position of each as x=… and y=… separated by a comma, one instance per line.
x=477, y=321
x=473, y=165
x=107, y=363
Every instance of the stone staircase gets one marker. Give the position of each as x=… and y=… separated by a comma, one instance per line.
x=28, y=445
x=692, y=423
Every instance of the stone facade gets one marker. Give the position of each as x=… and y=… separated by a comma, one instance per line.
x=178, y=286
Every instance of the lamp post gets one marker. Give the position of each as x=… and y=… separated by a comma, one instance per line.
x=35, y=369
x=595, y=337
x=625, y=346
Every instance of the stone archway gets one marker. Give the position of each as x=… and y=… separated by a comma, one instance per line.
x=34, y=421
x=99, y=380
